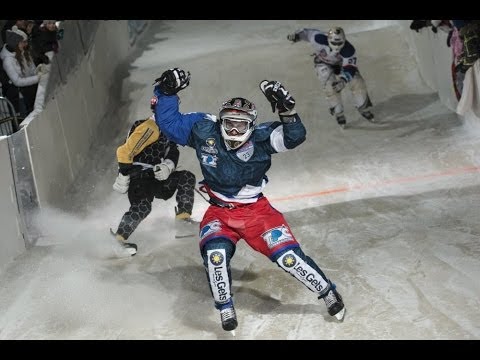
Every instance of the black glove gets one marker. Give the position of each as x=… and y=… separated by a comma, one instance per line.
x=293, y=37
x=278, y=97
x=172, y=81
x=418, y=24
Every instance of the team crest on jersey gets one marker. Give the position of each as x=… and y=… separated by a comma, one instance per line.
x=216, y=258
x=289, y=261
x=210, y=148
x=246, y=151
x=209, y=160
x=210, y=228
x=276, y=236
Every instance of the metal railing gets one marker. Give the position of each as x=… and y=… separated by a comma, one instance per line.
x=8, y=117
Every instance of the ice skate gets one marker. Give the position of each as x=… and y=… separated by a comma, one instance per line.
x=341, y=120
x=228, y=317
x=334, y=303
x=368, y=115
x=185, y=226
x=128, y=248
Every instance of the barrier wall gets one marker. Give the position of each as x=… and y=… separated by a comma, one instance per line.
x=11, y=238
x=40, y=161
x=434, y=59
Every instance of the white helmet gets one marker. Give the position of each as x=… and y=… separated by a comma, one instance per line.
x=336, y=38
x=237, y=121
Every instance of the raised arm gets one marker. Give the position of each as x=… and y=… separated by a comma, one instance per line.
x=165, y=105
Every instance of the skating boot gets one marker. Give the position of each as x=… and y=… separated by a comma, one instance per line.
x=341, y=120
x=185, y=226
x=129, y=248
x=368, y=115
x=334, y=303
x=228, y=316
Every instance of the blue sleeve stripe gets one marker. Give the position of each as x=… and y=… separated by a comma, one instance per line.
x=175, y=125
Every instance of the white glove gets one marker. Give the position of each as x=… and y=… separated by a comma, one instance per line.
x=338, y=85
x=41, y=69
x=121, y=183
x=163, y=170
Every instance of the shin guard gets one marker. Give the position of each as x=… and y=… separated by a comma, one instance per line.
x=306, y=274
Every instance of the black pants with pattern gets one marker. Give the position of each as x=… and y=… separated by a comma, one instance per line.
x=143, y=190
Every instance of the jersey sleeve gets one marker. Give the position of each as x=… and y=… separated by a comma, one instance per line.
x=174, y=124
x=143, y=135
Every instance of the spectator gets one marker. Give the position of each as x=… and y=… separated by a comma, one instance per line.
x=32, y=31
x=20, y=69
x=47, y=37
x=21, y=24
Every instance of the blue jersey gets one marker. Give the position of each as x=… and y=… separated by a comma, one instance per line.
x=232, y=175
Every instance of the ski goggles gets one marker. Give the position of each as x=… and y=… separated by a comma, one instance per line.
x=241, y=126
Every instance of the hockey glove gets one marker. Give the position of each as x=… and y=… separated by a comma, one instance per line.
x=339, y=84
x=418, y=24
x=293, y=37
x=172, y=81
x=278, y=97
x=163, y=170
x=121, y=183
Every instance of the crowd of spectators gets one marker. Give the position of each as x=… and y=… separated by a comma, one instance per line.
x=26, y=49
x=464, y=40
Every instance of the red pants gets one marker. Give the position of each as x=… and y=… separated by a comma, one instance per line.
x=263, y=227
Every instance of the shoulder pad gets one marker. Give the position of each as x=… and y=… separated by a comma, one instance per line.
x=262, y=131
x=211, y=117
x=321, y=39
x=348, y=50
x=135, y=124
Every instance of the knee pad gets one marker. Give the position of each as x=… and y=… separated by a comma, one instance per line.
x=324, y=73
x=359, y=91
x=186, y=179
x=216, y=255
x=294, y=262
x=140, y=210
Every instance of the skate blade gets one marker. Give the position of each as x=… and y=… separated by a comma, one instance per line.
x=131, y=251
x=123, y=253
x=341, y=314
x=233, y=333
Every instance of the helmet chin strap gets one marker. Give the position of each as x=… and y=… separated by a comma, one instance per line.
x=232, y=141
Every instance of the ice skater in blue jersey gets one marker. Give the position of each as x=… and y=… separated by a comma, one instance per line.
x=235, y=154
x=335, y=62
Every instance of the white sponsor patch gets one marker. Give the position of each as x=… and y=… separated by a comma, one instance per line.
x=210, y=228
x=217, y=272
x=293, y=264
x=246, y=151
x=276, y=236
